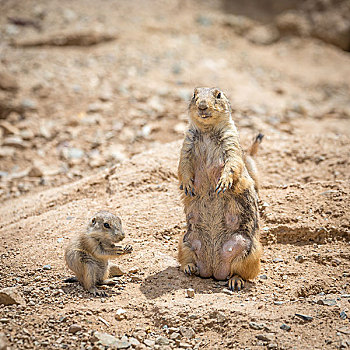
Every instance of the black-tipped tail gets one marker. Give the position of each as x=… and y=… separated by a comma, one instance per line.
x=253, y=150
x=259, y=137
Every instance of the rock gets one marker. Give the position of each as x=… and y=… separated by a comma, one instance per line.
x=8, y=82
x=187, y=332
x=277, y=260
x=8, y=128
x=105, y=339
x=134, y=269
x=74, y=328
x=36, y=171
x=120, y=314
x=47, y=267
x=175, y=336
x=134, y=342
x=10, y=296
x=3, y=342
x=180, y=128
x=145, y=131
x=185, y=94
x=272, y=346
x=95, y=107
x=72, y=153
x=344, y=344
x=162, y=340
x=105, y=95
x=240, y=24
x=218, y=316
x=256, y=326
x=304, y=317
x=27, y=134
x=14, y=141
x=66, y=38
x=185, y=345
x=117, y=153
x=7, y=152
x=263, y=35
x=299, y=258
x=189, y=293
x=115, y=271
x=265, y=337
x=139, y=335
x=292, y=23
x=344, y=330
x=328, y=302
x=285, y=327
x=28, y=104
x=173, y=330
x=69, y=15
x=149, y=342
x=204, y=21
x=97, y=162
x=343, y=315
x=122, y=344
x=46, y=131
x=263, y=277
x=227, y=291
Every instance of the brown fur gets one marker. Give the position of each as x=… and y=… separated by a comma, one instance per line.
x=87, y=255
x=220, y=186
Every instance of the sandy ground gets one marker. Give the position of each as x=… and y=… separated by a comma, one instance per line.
x=100, y=127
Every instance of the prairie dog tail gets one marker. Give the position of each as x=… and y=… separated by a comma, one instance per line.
x=253, y=150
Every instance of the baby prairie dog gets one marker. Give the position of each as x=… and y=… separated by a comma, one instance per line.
x=219, y=183
x=87, y=255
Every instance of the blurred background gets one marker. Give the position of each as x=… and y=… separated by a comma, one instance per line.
x=87, y=84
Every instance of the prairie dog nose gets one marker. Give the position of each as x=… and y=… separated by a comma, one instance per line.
x=202, y=105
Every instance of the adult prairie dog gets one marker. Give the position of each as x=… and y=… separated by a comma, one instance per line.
x=219, y=183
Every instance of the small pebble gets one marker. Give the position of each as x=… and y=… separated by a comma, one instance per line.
x=328, y=302
x=304, y=317
x=343, y=315
x=285, y=327
x=149, y=342
x=189, y=293
x=265, y=337
x=256, y=326
x=120, y=314
x=74, y=328
x=299, y=259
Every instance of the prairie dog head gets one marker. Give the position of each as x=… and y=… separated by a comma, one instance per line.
x=108, y=224
x=209, y=107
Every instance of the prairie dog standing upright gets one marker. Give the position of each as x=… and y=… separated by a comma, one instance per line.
x=88, y=253
x=219, y=184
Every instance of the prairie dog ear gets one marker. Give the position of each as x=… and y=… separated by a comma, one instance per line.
x=93, y=221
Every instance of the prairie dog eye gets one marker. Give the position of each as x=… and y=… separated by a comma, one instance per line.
x=106, y=225
x=218, y=95
x=93, y=221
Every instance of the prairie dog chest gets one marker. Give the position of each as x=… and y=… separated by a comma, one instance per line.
x=208, y=151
